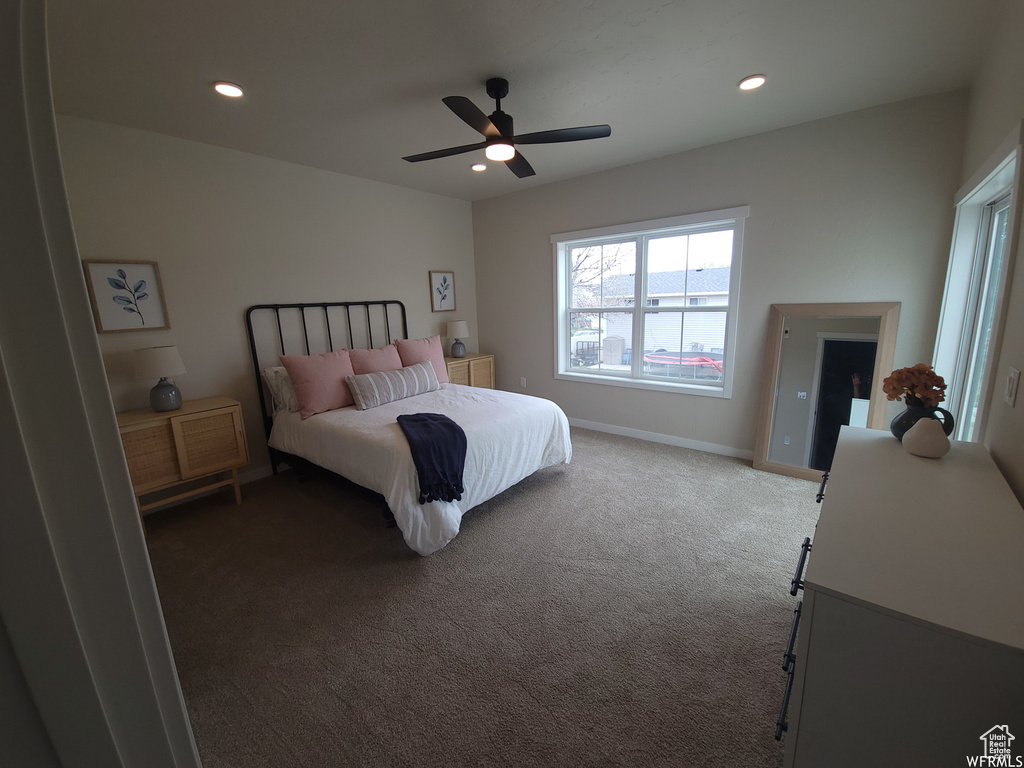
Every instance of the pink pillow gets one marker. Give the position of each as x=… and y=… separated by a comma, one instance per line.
x=375, y=360
x=319, y=381
x=414, y=351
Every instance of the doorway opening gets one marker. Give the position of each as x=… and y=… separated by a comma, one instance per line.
x=846, y=367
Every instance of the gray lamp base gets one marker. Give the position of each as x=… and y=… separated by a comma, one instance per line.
x=165, y=396
x=458, y=349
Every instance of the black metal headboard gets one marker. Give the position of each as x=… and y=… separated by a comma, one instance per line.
x=306, y=329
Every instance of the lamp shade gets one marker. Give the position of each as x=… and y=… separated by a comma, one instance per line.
x=157, y=362
x=458, y=329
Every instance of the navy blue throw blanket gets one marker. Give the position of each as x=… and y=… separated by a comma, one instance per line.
x=438, y=448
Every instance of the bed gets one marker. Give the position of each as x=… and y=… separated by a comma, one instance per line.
x=509, y=436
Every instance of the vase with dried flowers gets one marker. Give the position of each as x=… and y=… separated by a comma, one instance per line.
x=921, y=389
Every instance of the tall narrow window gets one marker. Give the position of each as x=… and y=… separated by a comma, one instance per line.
x=978, y=331
x=651, y=304
x=972, y=304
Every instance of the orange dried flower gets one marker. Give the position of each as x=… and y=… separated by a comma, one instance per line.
x=917, y=385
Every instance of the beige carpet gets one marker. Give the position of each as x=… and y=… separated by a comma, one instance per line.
x=630, y=609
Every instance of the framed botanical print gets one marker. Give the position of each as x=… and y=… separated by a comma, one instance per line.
x=126, y=296
x=442, y=291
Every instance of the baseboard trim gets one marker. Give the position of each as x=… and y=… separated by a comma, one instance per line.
x=657, y=437
x=254, y=474
x=243, y=478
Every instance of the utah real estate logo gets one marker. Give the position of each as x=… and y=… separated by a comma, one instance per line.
x=997, y=749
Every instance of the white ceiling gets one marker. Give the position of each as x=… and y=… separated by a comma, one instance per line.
x=354, y=85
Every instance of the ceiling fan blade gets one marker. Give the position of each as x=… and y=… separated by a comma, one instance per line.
x=471, y=115
x=445, y=152
x=564, y=134
x=519, y=166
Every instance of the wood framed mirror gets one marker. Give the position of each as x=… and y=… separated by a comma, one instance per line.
x=823, y=367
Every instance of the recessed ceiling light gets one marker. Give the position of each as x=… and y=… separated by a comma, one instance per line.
x=228, y=89
x=478, y=167
x=751, y=82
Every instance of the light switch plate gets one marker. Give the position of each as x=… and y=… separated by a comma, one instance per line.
x=1012, y=380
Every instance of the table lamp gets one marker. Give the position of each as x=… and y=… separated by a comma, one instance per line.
x=458, y=330
x=160, y=363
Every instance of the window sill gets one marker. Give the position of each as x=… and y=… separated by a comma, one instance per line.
x=701, y=390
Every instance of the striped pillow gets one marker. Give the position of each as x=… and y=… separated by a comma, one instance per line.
x=282, y=392
x=372, y=389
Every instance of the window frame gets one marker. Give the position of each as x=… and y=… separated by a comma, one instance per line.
x=957, y=331
x=732, y=218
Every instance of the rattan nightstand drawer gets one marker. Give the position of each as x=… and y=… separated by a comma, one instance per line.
x=152, y=456
x=473, y=370
x=201, y=439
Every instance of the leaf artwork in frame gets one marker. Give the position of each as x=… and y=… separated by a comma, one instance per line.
x=442, y=291
x=126, y=296
x=136, y=293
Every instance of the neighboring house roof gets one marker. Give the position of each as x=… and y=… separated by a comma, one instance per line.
x=712, y=280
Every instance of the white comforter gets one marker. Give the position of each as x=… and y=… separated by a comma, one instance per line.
x=509, y=437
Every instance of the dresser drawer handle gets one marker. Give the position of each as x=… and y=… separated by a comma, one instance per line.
x=798, y=578
x=781, y=725
x=821, y=488
x=788, y=659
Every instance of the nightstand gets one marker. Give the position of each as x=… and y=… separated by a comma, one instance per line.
x=203, y=439
x=474, y=370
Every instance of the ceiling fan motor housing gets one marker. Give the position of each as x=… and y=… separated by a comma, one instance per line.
x=503, y=122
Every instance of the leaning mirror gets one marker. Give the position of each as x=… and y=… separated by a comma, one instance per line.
x=824, y=365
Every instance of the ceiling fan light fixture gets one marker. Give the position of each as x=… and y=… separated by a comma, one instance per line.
x=500, y=139
x=500, y=152
x=228, y=89
x=752, y=82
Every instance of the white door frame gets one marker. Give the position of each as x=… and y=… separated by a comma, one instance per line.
x=85, y=643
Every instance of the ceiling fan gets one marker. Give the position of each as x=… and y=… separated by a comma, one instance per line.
x=499, y=140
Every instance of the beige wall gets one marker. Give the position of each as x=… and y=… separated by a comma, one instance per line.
x=851, y=208
x=996, y=108
x=996, y=102
x=230, y=229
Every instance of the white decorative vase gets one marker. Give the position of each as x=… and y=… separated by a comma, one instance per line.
x=926, y=438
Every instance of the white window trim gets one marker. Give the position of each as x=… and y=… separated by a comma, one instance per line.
x=1001, y=172
x=736, y=217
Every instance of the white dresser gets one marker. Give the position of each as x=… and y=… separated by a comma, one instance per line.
x=910, y=646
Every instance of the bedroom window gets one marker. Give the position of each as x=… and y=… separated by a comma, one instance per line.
x=973, y=304
x=651, y=304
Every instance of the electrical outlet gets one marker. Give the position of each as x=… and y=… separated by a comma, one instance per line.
x=785, y=440
x=522, y=382
x=801, y=395
x=1010, y=393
